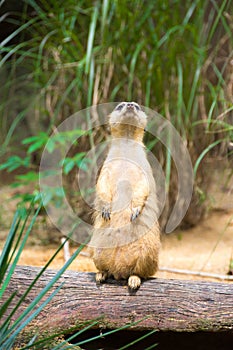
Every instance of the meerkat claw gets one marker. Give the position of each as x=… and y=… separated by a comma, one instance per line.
x=100, y=277
x=135, y=213
x=134, y=282
x=106, y=213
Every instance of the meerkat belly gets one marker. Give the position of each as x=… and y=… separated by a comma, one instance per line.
x=128, y=247
x=139, y=257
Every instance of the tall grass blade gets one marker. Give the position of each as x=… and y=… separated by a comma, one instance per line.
x=202, y=155
x=7, y=248
x=105, y=7
x=17, y=31
x=48, y=287
x=138, y=340
x=110, y=332
x=21, y=247
x=218, y=18
x=90, y=40
x=132, y=68
x=14, y=331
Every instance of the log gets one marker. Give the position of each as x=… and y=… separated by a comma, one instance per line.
x=164, y=305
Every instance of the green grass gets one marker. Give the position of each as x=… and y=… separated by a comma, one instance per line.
x=13, y=248
x=173, y=57
x=158, y=52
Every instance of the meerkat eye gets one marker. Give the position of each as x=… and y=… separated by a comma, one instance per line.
x=138, y=108
x=119, y=107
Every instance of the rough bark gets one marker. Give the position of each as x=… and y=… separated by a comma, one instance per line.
x=173, y=305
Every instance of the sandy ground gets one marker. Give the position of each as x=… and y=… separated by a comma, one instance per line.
x=207, y=247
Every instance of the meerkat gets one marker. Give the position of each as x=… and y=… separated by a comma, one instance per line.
x=126, y=235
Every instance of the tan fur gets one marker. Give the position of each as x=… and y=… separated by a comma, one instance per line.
x=126, y=237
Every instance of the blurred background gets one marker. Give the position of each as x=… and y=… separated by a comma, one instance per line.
x=175, y=57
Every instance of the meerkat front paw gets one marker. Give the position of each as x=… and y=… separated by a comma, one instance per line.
x=100, y=277
x=106, y=212
x=135, y=212
x=134, y=282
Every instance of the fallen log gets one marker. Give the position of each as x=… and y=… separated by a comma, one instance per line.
x=165, y=305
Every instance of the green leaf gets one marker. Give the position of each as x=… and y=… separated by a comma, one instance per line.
x=41, y=136
x=14, y=162
x=31, y=176
x=35, y=146
x=50, y=145
x=82, y=164
x=37, y=142
x=68, y=165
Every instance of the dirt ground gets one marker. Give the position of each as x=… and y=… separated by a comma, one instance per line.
x=207, y=247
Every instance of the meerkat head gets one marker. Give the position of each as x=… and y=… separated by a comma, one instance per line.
x=128, y=119
x=128, y=113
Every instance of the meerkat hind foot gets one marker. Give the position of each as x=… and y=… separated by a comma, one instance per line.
x=100, y=277
x=134, y=282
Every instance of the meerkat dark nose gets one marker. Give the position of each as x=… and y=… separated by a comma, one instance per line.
x=130, y=105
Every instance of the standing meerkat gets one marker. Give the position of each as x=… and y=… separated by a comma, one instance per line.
x=126, y=237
